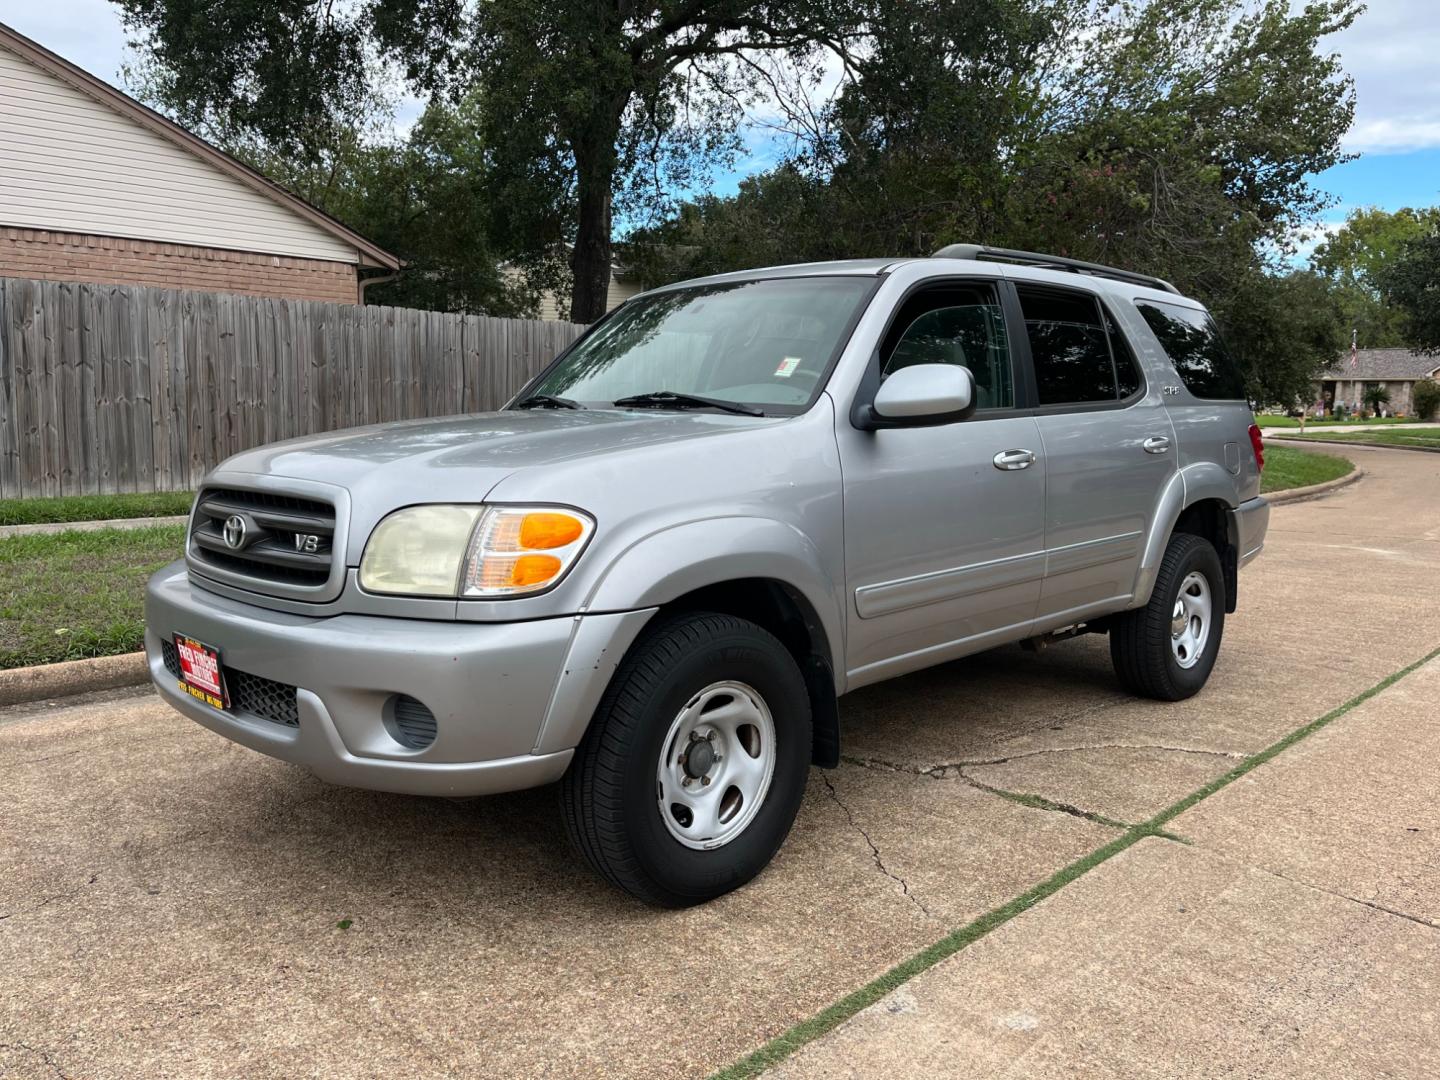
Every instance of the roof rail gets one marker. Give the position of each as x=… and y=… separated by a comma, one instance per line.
x=1051, y=262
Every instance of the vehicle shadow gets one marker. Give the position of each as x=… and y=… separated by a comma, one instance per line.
x=510, y=850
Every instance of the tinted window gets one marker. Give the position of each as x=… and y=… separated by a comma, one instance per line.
x=1070, y=347
x=1190, y=339
x=956, y=324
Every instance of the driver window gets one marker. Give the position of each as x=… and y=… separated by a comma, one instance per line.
x=955, y=324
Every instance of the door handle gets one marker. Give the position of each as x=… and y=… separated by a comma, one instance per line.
x=1156, y=444
x=1010, y=460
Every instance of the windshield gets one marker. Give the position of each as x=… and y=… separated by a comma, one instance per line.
x=765, y=343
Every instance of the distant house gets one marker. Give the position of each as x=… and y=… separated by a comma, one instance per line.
x=1395, y=369
x=95, y=186
x=622, y=286
x=624, y=283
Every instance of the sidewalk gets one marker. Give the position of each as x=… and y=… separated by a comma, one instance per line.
x=1295, y=932
x=1311, y=429
x=47, y=527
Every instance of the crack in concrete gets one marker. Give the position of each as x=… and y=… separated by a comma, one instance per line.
x=874, y=851
x=956, y=771
x=1039, y=802
x=1373, y=905
x=940, y=772
x=1103, y=746
x=41, y=1054
x=51, y=899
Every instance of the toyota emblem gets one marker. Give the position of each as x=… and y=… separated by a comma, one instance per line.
x=234, y=532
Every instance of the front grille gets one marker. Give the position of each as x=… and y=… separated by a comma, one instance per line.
x=265, y=698
x=263, y=537
x=252, y=695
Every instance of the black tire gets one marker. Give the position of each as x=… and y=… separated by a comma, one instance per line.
x=608, y=795
x=1140, y=640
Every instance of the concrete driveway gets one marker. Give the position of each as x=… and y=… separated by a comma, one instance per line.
x=172, y=905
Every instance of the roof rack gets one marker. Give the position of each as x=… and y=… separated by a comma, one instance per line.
x=1051, y=262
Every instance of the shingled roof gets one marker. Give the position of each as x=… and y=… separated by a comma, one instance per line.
x=1380, y=364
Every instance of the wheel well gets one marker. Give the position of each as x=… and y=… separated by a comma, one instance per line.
x=1210, y=519
x=784, y=611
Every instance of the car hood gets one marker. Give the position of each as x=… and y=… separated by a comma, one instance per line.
x=461, y=458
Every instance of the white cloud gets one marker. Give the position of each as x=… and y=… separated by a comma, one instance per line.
x=1393, y=134
x=1391, y=51
x=85, y=32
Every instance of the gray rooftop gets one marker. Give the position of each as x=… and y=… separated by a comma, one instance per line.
x=1384, y=364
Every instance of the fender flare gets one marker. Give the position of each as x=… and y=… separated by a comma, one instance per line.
x=1190, y=485
x=665, y=565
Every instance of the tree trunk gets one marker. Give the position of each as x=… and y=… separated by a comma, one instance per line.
x=591, y=261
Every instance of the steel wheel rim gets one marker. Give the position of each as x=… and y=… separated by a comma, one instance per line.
x=1190, y=619
x=709, y=794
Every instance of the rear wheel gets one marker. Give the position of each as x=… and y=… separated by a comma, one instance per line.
x=692, y=771
x=1166, y=649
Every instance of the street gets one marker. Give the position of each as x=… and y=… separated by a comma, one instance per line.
x=172, y=904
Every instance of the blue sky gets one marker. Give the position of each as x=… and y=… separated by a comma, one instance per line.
x=1392, y=52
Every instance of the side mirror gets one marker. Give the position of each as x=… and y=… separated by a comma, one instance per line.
x=923, y=394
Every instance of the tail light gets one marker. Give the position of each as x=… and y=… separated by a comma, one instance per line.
x=1257, y=446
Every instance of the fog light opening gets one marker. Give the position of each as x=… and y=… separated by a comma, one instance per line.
x=409, y=722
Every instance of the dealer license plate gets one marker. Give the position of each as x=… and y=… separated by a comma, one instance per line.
x=201, y=675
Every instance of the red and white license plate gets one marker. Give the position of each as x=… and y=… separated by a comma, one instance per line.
x=200, y=673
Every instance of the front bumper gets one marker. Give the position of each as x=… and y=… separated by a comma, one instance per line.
x=510, y=699
x=1252, y=519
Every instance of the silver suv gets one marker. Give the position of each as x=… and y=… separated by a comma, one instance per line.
x=733, y=500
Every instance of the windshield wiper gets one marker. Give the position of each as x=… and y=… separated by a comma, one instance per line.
x=547, y=401
x=668, y=399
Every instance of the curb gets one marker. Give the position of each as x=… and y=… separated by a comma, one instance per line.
x=1352, y=442
x=1314, y=490
x=48, y=527
x=43, y=681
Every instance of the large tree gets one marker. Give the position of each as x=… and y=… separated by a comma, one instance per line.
x=1173, y=138
x=581, y=101
x=423, y=196
x=1411, y=282
x=1356, y=257
x=1284, y=329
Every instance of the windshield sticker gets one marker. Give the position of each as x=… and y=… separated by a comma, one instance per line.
x=787, y=367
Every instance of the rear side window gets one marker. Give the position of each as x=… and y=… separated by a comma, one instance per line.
x=1192, y=342
x=1080, y=357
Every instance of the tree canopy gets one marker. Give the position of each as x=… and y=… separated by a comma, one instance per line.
x=1354, y=260
x=579, y=103
x=1176, y=137
x=1411, y=282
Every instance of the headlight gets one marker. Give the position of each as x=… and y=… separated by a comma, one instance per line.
x=473, y=551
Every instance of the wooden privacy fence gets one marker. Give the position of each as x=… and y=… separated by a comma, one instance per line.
x=112, y=388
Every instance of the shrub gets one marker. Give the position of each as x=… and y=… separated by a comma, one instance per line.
x=1426, y=398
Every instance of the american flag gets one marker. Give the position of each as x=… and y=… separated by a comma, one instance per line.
x=1354, y=352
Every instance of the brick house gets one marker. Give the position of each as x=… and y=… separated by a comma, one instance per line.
x=1395, y=369
x=96, y=187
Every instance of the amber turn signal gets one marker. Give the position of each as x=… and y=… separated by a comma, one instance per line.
x=541, y=531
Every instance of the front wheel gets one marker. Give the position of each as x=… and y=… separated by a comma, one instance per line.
x=1166, y=649
x=692, y=771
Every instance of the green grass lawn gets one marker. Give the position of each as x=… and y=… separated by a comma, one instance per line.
x=94, y=507
x=1412, y=437
x=71, y=595
x=1265, y=420
x=1286, y=467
